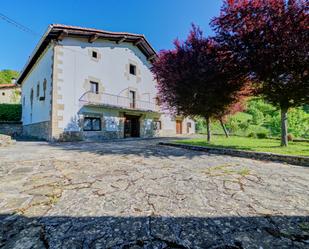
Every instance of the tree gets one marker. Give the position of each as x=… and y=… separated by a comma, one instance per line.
x=194, y=79
x=269, y=38
x=6, y=76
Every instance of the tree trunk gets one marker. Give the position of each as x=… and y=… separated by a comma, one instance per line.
x=284, y=126
x=224, y=128
x=208, y=129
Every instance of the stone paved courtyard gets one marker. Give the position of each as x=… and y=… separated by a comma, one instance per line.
x=136, y=194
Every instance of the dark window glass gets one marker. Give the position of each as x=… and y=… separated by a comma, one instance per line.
x=38, y=90
x=3, y=93
x=94, y=87
x=92, y=124
x=132, y=99
x=157, y=125
x=94, y=54
x=132, y=69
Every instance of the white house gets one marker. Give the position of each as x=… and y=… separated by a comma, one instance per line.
x=83, y=83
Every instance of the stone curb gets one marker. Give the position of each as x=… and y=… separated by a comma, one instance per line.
x=264, y=156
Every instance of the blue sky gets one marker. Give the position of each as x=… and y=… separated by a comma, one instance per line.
x=160, y=20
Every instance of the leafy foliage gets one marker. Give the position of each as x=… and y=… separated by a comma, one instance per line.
x=7, y=75
x=10, y=112
x=270, y=40
x=262, y=117
x=194, y=78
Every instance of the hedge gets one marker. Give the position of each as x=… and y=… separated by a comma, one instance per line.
x=10, y=112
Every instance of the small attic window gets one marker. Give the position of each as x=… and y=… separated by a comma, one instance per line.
x=132, y=69
x=94, y=54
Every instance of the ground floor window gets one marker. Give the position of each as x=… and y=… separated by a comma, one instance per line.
x=157, y=125
x=92, y=124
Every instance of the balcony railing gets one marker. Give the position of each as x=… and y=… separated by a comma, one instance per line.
x=111, y=100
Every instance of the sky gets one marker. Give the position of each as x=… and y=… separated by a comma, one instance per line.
x=161, y=21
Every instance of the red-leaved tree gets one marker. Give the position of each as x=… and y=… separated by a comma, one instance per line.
x=195, y=79
x=269, y=39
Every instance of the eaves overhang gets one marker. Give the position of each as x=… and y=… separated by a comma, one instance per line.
x=58, y=32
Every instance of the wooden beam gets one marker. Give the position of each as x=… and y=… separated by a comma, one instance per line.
x=138, y=42
x=121, y=40
x=62, y=34
x=93, y=38
x=150, y=58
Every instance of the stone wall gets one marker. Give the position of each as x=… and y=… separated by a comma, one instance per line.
x=296, y=160
x=13, y=129
x=38, y=130
x=6, y=140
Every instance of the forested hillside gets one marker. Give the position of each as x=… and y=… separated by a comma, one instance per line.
x=6, y=76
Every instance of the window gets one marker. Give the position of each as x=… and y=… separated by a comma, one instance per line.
x=92, y=124
x=132, y=99
x=94, y=87
x=44, y=90
x=38, y=90
x=157, y=125
x=189, y=125
x=132, y=69
x=31, y=97
x=94, y=54
x=3, y=93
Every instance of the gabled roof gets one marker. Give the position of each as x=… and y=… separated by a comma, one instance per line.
x=59, y=31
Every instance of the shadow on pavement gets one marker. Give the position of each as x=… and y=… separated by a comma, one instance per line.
x=18, y=231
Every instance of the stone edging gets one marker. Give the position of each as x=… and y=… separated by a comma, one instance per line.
x=296, y=160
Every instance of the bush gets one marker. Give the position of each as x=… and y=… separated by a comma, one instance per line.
x=10, y=112
x=252, y=134
x=261, y=135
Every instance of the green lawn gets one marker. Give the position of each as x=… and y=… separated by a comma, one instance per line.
x=252, y=144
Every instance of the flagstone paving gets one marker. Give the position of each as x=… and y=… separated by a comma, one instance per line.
x=136, y=194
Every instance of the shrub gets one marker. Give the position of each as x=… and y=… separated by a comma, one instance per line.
x=10, y=112
x=252, y=134
x=261, y=135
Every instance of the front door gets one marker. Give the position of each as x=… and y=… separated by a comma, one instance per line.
x=131, y=126
x=178, y=127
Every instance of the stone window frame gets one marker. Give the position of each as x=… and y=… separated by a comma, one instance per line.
x=138, y=74
x=90, y=53
x=86, y=85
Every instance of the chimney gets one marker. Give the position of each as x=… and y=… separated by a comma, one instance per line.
x=13, y=81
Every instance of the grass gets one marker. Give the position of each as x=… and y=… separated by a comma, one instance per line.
x=251, y=144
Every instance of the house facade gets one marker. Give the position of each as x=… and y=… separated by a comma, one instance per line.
x=91, y=84
x=9, y=94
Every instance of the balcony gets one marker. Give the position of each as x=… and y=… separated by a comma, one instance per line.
x=116, y=101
